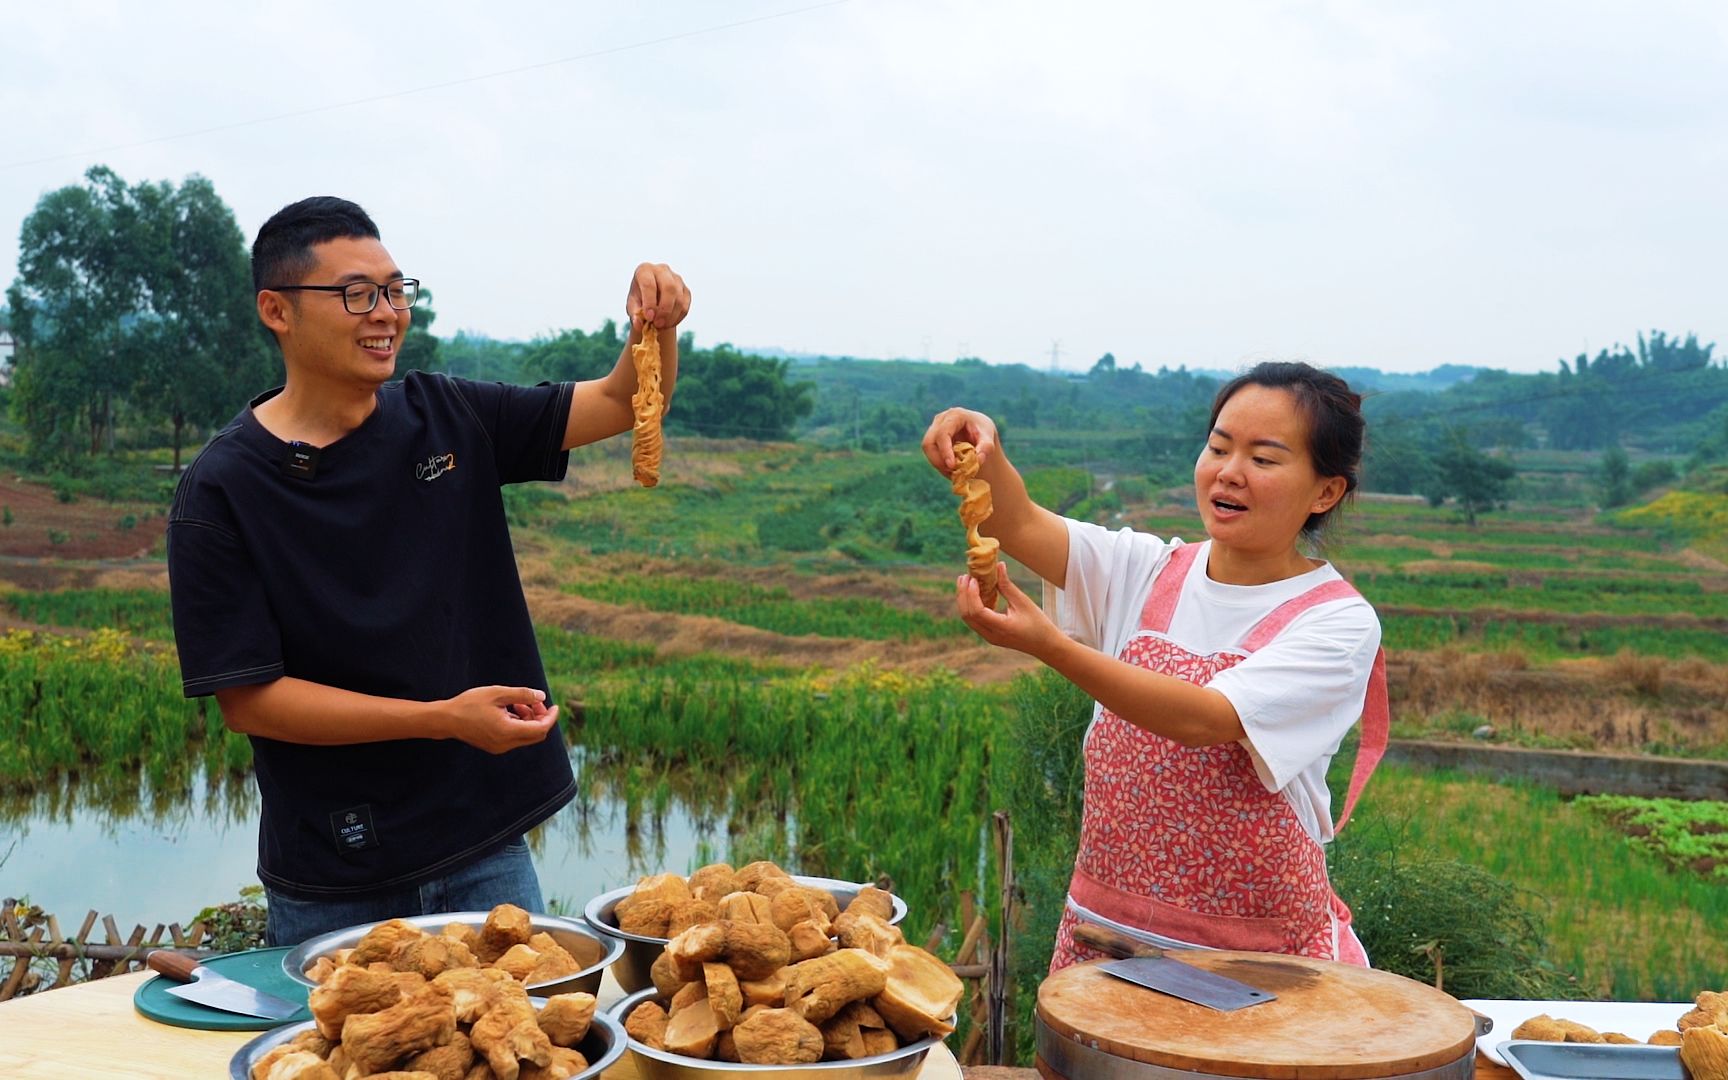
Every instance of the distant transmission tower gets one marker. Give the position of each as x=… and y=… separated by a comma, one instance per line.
x=1055, y=357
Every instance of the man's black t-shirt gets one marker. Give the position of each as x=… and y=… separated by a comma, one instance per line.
x=380, y=564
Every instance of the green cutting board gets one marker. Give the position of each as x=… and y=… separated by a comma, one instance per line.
x=260, y=969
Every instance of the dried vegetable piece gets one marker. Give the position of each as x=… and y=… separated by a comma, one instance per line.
x=920, y=994
x=974, y=509
x=754, y=950
x=565, y=1018
x=725, y=996
x=1704, y=1052
x=448, y=1062
x=376, y=1041
x=348, y=991
x=778, y=1037
x=817, y=989
x=647, y=1024
x=647, y=404
x=692, y=1030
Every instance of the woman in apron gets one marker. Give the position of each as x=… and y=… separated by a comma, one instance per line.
x=1226, y=674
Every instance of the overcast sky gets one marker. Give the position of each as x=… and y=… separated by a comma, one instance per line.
x=1397, y=185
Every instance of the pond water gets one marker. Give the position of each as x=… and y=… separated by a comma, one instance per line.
x=159, y=856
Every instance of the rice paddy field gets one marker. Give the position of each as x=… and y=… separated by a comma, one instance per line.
x=766, y=641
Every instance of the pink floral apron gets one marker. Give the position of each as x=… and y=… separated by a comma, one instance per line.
x=1186, y=842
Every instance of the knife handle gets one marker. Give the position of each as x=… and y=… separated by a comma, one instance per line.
x=1109, y=941
x=175, y=965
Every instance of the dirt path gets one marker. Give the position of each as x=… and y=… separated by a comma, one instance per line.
x=34, y=523
x=683, y=635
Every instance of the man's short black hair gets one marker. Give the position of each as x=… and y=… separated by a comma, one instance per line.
x=282, y=254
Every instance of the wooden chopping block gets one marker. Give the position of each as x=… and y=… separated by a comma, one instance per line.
x=1330, y=1021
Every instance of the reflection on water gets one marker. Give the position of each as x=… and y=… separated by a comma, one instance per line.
x=158, y=848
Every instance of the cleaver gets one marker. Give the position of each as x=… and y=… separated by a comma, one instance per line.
x=215, y=990
x=1154, y=968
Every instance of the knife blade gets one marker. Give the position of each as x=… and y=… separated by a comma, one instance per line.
x=212, y=989
x=1154, y=968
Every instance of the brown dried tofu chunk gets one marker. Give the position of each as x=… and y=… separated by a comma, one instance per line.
x=681, y=915
x=297, y=1065
x=648, y=909
x=518, y=961
x=471, y=990
x=817, y=989
x=506, y=925
x=403, y=1074
x=647, y=1024
x=692, y=1030
x=321, y=969
x=383, y=942
x=869, y=933
x=857, y=1031
x=1704, y=1052
x=508, y=1035
x=555, y=961
x=350, y=990
x=753, y=950
x=666, y=975
x=872, y=901
x=565, y=1063
x=724, y=995
x=789, y=907
x=433, y=954
x=448, y=1062
x=565, y=1018
x=1666, y=1037
x=713, y=881
x=1709, y=1008
x=769, y=991
x=777, y=1037
x=746, y=907
x=809, y=939
x=752, y=875
x=378, y=1041
x=921, y=994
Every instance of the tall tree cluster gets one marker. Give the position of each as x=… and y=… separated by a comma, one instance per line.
x=133, y=304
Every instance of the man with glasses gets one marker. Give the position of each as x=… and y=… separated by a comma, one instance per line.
x=343, y=583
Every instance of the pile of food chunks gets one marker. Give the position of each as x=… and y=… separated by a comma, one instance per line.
x=763, y=970
x=404, y=1004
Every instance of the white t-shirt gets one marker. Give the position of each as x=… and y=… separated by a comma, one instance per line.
x=1297, y=696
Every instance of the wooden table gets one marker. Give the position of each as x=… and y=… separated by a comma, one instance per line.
x=90, y=1031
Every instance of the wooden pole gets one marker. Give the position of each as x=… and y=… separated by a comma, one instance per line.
x=1003, y=832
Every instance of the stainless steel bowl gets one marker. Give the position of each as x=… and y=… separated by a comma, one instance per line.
x=594, y=951
x=640, y=951
x=652, y=1064
x=603, y=1046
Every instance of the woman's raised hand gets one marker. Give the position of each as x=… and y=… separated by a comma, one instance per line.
x=958, y=425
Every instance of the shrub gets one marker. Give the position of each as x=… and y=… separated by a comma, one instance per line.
x=1443, y=923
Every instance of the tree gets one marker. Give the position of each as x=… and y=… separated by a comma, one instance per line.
x=419, y=350
x=1614, y=478
x=723, y=392
x=1476, y=480
x=131, y=296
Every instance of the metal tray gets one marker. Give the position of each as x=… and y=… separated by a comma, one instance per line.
x=602, y=1046
x=596, y=950
x=1634, y=1018
x=640, y=952
x=1591, y=1061
x=652, y=1064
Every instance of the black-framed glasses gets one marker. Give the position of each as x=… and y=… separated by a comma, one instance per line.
x=360, y=297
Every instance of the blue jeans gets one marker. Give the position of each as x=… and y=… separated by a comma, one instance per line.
x=504, y=877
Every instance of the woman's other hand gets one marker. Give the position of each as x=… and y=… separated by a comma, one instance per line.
x=1023, y=627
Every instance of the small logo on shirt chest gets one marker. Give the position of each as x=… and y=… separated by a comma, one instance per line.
x=434, y=467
